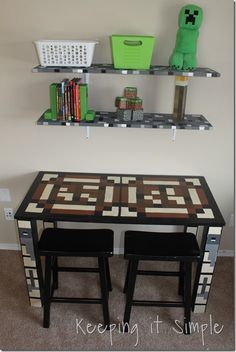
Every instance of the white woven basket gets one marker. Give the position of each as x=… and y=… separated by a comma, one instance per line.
x=77, y=53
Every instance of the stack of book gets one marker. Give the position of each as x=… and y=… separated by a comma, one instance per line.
x=69, y=101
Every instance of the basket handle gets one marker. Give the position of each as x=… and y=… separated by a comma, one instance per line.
x=133, y=42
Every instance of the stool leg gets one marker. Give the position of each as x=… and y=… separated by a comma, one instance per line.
x=108, y=275
x=126, y=278
x=130, y=291
x=104, y=291
x=47, y=292
x=55, y=273
x=187, y=298
x=181, y=279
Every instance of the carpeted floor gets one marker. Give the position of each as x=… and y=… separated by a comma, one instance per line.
x=151, y=328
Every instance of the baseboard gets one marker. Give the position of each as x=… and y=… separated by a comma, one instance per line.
x=10, y=246
x=225, y=253
x=221, y=253
x=117, y=250
x=16, y=247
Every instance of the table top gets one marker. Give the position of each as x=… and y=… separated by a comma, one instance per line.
x=120, y=198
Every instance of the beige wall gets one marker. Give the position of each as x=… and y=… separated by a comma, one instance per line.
x=26, y=148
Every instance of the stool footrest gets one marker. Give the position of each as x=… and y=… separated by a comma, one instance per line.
x=158, y=273
x=76, y=300
x=74, y=269
x=157, y=303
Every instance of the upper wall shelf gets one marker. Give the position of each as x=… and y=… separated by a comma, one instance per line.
x=108, y=68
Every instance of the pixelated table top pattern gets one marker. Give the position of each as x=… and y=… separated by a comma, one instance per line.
x=146, y=199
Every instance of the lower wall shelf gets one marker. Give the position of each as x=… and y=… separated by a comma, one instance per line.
x=150, y=120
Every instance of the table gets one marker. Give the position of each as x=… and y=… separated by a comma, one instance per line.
x=119, y=198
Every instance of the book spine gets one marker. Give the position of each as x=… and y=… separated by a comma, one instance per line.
x=71, y=100
x=66, y=102
x=63, y=100
x=77, y=101
x=83, y=91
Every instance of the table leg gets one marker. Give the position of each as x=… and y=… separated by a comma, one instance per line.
x=28, y=235
x=209, y=247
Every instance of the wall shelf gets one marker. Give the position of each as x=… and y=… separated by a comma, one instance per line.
x=151, y=120
x=109, y=69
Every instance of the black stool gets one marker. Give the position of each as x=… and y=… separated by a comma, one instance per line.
x=56, y=243
x=178, y=247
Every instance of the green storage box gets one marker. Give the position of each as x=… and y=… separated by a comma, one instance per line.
x=132, y=51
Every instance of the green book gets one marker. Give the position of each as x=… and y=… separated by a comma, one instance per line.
x=53, y=100
x=83, y=91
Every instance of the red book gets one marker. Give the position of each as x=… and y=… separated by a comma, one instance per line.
x=76, y=99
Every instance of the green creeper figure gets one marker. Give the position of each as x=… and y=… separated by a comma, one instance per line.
x=184, y=54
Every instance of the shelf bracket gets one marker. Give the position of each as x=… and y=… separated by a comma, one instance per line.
x=173, y=132
x=87, y=132
x=86, y=78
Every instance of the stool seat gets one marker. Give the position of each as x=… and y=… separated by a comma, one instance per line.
x=179, y=247
x=147, y=245
x=55, y=242
x=86, y=242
